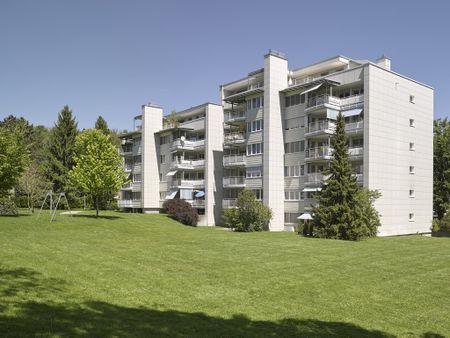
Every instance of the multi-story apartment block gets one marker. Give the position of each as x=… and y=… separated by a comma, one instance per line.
x=277, y=125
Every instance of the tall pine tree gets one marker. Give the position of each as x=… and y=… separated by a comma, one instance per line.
x=101, y=125
x=343, y=210
x=61, y=150
x=441, y=164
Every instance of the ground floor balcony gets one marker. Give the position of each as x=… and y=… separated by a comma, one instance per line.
x=197, y=203
x=129, y=204
x=187, y=165
x=179, y=183
x=229, y=203
x=234, y=160
x=234, y=182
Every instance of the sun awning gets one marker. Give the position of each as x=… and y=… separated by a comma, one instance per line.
x=305, y=216
x=311, y=89
x=311, y=189
x=171, y=173
x=200, y=194
x=171, y=195
x=352, y=112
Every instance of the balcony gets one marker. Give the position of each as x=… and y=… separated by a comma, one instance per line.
x=136, y=186
x=320, y=127
x=319, y=153
x=199, y=204
x=234, y=182
x=187, y=165
x=129, y=204
x=229, y=203
x=234, y=139
x=125, y=151
x=127, y=186
x=128, y=168
x=234, y=160
x=359, y=178
x=137, y=168
x=313, y=179
x=354, y=127
x=187, y=145
x=356, y=153
x=321, y=100
x=235, y=117
x=178, y=183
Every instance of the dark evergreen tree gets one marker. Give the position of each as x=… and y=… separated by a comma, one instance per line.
x=61, y=150
x=101, y=125
x=341, y=204
x=441, y=181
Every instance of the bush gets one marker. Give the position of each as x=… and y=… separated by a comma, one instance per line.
x=443, y=225
x=7, y=207
x=181, y=211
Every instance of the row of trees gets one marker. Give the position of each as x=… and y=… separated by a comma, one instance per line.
x=35, y=159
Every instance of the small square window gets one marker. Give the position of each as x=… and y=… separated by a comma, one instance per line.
x=412, y=170
x=411, y=193
x=412, y=99
x=412, y=123
x=411, y=146
x=411, y=217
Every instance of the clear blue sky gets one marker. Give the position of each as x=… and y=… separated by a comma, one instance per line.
x=109, y=57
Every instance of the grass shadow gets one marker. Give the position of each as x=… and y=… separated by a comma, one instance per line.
x=107, y=217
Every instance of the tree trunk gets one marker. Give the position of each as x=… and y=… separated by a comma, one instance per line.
x=96, y=206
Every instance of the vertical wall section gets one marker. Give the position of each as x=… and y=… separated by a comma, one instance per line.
x=275, y=79
x=151, y=123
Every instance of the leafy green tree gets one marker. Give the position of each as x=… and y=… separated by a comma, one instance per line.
x=250, y=214
x=441, y=164
x=13, y=160
x=34, y=185
x=101, y=125
x=97, y=169
x=61, y=150
x=341, y=204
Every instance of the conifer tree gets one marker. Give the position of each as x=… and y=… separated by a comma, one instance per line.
x=441, y=164
x=101, y=125
x=344, y=210
x=61, y=150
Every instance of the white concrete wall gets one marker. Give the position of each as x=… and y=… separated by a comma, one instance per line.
x=275, y=79
x=387, y=155
x=213, y=164
x=151, y=123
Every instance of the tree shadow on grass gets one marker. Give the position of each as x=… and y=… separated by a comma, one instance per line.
x=101, y=319
x=107, y=217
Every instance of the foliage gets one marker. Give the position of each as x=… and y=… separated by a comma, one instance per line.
x=172, y=120
x=441, y=167
x=61, y=150
x=97, y=171
x=34, y=185
x=250, y=214
x=13, y=159
x=442, y=225
x=7, y=207
x=101, y=125
x=343, y=210
x=182, y=211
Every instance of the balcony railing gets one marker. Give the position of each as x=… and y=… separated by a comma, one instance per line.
x=236, y=181
x=322, y=99
x=353, y=152
x=231, y=160
x=127, y=186
x=229, y=202
x=197, y=203
x=186, y=164
x=187, y=145
x=354, y=126
x=137, y=168
x=313, y=178
x=188, y=183
x=235, y=116
x=321, y=126
x=127, y=167
x=318, y=153
x=236, y=138
x=129, y=203
x=359, y=178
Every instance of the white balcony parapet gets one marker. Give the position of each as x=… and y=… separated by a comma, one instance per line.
x=321, y=126
x=231, y=160
x=188, y=183
x=186, y=164
x=137, y=168
x=187, y=144
x=354, y=126
x=324, y=152
x=234, y=116
x=235, y=138
x=229, y=203
x=359, y=151
x=313, y=178
x=321, y=100
x=236, y=181
x=197, y=203
x=129, y=203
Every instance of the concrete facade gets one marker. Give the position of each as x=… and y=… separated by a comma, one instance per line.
x=271, y=134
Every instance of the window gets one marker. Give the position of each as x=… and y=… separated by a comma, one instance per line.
x=302, y=170
x=357, y=143
x=254, y=172
x=412, y=99
x=294, y=100
x=292, y=195
x=294, y=171
x=290, y=217
x=411, y=193
x=411, y=170
x=259, y=194
x=294, y=147
x=162, y=159
x=412, y=123
x=255, y=102
x=255, y=126
x=255, y=149
x=164, y=139
x=137, y=178
x=411, y=217
x=411, y=146
x=292, y=124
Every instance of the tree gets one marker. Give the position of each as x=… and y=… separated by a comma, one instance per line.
x=33, y=184
x=172, y=120
x=13, y=160
x=101, y=125
x=341, y=204
x=97, y=170
x=441, y=167
x=250, y=214
x=61, y=150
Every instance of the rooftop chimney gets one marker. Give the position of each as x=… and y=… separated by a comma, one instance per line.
x=384, y=62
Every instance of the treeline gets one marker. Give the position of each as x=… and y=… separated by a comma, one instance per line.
x=36, y=159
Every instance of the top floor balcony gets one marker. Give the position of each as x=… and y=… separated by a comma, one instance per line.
x=334, y=102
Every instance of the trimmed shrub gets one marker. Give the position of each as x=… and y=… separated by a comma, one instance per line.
x=181, y=211
x=7, y=207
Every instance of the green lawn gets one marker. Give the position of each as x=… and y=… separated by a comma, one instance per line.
x=130, y=275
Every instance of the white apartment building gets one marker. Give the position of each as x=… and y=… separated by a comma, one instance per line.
x=272, y=135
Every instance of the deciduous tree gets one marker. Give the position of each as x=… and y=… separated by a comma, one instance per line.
x=441, y=181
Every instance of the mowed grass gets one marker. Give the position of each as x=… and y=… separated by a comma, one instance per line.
x=133, y=275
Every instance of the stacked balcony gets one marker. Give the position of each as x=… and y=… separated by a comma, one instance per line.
x=181, y=183
x=187, y=165
x=234, y=160
x=180, y=144
x=234, y=182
